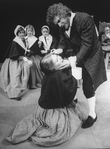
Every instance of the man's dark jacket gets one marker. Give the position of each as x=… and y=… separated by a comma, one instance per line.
x=83, y=42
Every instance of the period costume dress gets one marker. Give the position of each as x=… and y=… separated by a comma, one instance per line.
x=15, y=71
x=48, y=42
x=55, y=119
x=36, y=74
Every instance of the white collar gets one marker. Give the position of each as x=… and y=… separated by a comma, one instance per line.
x=71, y=21
x=31, y=40
x=71, y=18
x=49, y=41
x=108, y=35
x=19, y=41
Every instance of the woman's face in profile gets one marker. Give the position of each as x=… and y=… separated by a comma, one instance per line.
x=57, y=60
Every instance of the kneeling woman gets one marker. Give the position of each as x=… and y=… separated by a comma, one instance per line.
x=55, y=119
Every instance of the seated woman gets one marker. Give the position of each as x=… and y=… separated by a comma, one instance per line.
x=55, y=119
x=33, y=53
x=15, y=69
x=47, y=42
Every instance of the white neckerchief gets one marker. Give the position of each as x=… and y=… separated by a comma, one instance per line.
x=48, y=39
x=30, y=40
x=20, y=42
x=71, y=20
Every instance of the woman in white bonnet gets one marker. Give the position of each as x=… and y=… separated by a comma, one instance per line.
x=33, y=53
x=47, y=42
x=15, y=69
x=56, y=117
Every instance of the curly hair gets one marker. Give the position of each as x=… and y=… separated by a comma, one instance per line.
x=57, y=10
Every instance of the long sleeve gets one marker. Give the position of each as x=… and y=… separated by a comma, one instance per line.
x=87, y=34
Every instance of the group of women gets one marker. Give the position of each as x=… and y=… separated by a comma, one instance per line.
x=21, y=68
x=35, y=62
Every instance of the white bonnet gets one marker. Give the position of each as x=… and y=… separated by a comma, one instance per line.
x=45, y=26
x=17, y=28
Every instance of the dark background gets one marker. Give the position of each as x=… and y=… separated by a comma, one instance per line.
x=24, y=12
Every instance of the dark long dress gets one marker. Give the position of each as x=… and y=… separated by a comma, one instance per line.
x=36, y=74
x=15, y=71
x=55, y=120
